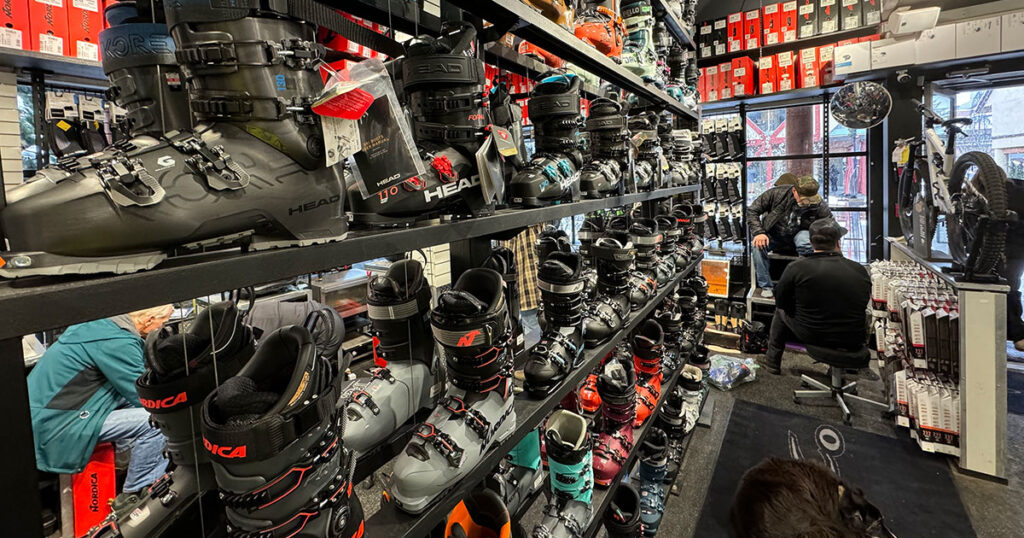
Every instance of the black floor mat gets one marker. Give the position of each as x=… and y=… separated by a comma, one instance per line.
x=914, y=490
x=1015, y=392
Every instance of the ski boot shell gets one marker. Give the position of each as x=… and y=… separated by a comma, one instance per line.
x=622, y=520
x=617, y=387
x=638, y=54
x=481, y=515
x=607, y=312
x=609, y=138
x=570, y=459
x=653, y=464
x=602, y=28
x=559, y=12
x=560, y=349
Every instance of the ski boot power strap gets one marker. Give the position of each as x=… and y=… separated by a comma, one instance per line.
x=445, y=71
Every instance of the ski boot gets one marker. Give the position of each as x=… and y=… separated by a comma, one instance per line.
x=648, y=347
x=449, y=109
x=481, y=515
x=137, y=201
x=653, y=462
x=648, y=157
x=526, y=48
x=670, y=177
x=668, y=250
x=554, y=110
x=559, y=12
x=599, y=25
x=607, y=312
x=181, y=370
x=520, y=475
x=570, y=459
x=700, y=359
x=273, y=434
x=590, y=231
x=551, y=240
x=622, y=520
x=691, y=385
x=610, y=144
x=617, y=386
x=644, y=235
x=672, y=421
x=560, y=349
x=638, y=53
x=590, y=399
x=503, y=261
x=471, y=324
x=398, y=305
x=670, y=319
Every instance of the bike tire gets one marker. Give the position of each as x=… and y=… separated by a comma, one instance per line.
x=990, y=180
x=912, y=183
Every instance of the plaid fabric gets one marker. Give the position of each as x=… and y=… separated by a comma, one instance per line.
x=522, y=247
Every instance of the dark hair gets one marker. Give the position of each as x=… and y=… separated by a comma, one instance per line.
x=822, y=242
x=799, y=499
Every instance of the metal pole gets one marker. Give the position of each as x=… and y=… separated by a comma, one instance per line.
x=39, y=119
x=20, y=509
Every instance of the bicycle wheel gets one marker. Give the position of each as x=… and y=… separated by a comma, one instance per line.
x=977, y=187
x=913, y=185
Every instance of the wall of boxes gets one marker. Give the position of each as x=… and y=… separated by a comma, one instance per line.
x=60, y=27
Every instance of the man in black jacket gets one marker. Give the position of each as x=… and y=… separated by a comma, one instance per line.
x=821, y=298
x=778, y=221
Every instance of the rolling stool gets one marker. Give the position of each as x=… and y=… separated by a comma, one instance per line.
x=837, y=360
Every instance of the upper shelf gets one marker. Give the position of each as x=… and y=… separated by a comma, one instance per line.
x=675, y=26
x=63, y=65
x=768, y=50
x=938, y=265
x=86, y=298
x=509, y=60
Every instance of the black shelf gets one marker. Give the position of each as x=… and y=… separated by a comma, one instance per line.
x=33, y=302
x=675, y=26
x=407, y=17
x=505, y=58
x=777, y=98
x=535, y=28
x=393, y=523
x=767, y=50
x=51, y=63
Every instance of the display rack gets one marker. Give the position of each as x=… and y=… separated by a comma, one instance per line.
x=507, y=59
x=982, y=365
x=391, y=522
x=50, y=63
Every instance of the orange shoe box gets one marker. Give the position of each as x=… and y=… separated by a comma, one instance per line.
x=14, y=24
x=786, y=67
x=767, y=75
x=85, y=20
x=48, y=22
x=752, y=29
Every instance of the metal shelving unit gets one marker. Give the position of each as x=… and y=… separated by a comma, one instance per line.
x=683, y=35
x=49, y=63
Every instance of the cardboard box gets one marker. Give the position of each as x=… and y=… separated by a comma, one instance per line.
x=743, y=77
x=827, y=65
x=786, y=70
x=788, y=21
x=704, y=39
x=771, y=24
x=936, y=44
x=752, y=29
x=871, y=12
x=828, y=16
x=14, y=24
x=734, y=32
x=852, y=15
x=978, y=37
x=868, y=38
x=847, y=42
x=1013, y=32
x=48, y=21
x=725, y=80
x=767, y=75
x=85, y=19
x=711, y=83
x=719, y=35
x=853, y=58
x=807, y=19
x=702, y=85
x=893, y=53
x=809, y=68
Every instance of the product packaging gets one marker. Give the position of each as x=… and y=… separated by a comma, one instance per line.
x=752, y=29
x=705, y=40
x=809, y=68
x=826, y=65
x=49, y=26
x=828, y=16
x=771, y=24
x=712, y=83
x=85, y=20
x=788, y=21
x=743, y=77
x=852, y=15
x=14, y=24
x=807, y=19
x=871, y=11
x=727, y=372
x=786, y=70
x=767, y=75
x=734, y=32
x=725, y=80
x=719, y=36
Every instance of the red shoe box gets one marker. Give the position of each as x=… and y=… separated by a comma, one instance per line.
x=752, y=29
x=847, y=42
x=872, y=37
x=807, y=19
x=809, y=68
x=767, y=75
x=735, y=32
x=711, y=84
x=788, y=21
x=14, y=24
x=48, y=21
x=771, y=24
x=786, y=70
x=85, y=20
x=725, y=80
x=827, y=64
x=702, y=85
x=743, y=77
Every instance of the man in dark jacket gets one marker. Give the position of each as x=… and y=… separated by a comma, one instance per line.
x=1015, y=264
x=821, y=298
x=778, y=221
x=82, y=392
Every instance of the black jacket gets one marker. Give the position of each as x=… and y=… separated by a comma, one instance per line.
x=775, y=206
x=826, y=294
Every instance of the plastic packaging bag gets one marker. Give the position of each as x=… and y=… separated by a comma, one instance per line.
x=728, y=372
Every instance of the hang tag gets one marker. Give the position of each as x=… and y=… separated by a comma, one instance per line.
x=343, y=99
x=90, y=108
x=60, y=105
x=341, y=139
x=488, y=165
x=504, y=141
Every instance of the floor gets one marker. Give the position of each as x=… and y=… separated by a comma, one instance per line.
x=995, y=509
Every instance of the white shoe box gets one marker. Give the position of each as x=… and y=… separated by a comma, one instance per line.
x=855, y=58
x=1013, y=32
x=937, y=44
x=893, y=53
x=979, y=37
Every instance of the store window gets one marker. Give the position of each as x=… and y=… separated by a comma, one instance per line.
x=26, y=114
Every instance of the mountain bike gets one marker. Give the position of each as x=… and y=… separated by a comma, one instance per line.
x=970, y=191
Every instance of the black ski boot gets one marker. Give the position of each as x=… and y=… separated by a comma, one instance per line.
x=443, y=81
x=273, y=433
x=181, y=370
x=647, y=167
x=568, y=444
x=520, y=475
x=671, y=320
x=610, y=147
x=644, y=235
x=560, y=349
x=551, y=176
x=668, y=248
x=251, y=172
x=591, y=230
x=607, y=312
x=622, y=520
x=398, y=305
x=551, y=240
x=471, y=324
x=503, y=260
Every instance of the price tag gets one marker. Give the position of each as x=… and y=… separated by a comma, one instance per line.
x=9, y=37
x=88, y=51
x=51, y=44
x=504, y=141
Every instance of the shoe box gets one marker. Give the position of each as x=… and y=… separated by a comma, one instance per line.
x=806, y=19
x=787, y=21
x=767, y=75
x=702, y=85
x=827, y=65
x=786, y=70
x=771, y=24
x=704, y=39
x=719, y=36
x=887, y=53
x=725, y=80
x=48, y=21
x=978, y=37
x=734, y=32
x=871, y=11
x=852, y=15
x=752, y=29
x=743, y=77
x=828, y=16
x=936, y=44
x=14, y=24
x=85, y=20
x=852, y=58
x=712, y=83
x=809, y=68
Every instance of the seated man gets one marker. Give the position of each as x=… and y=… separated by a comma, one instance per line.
x=1014, y=267
x=821, y=299
x=778, y=221
x=82, y=392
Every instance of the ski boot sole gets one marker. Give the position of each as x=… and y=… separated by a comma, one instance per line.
x=24, y=264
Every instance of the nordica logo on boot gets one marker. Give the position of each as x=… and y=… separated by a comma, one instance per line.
x=314, y=204
x=449, y=189
x=165, y=403
x=228, y=452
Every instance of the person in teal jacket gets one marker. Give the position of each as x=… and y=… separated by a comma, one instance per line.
x=82, y=392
